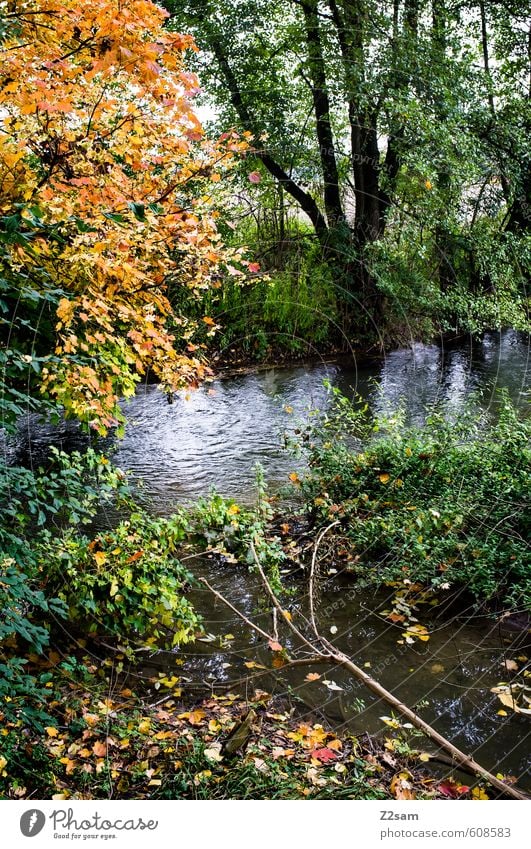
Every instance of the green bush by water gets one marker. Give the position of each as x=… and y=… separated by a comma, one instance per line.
x=445, y=504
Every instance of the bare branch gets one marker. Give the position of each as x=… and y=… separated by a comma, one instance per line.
x=236, y=611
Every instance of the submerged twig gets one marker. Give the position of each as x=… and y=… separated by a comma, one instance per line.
x=235, y=610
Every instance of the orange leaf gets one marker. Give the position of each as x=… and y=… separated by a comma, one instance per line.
x=196, y=716
x=134, y=557
x=401, y=786
x=396, y=617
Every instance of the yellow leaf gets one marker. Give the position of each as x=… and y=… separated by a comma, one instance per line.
x=65, y=310
x=51, y=732
x=383, y=478
x=213, y=753
x=502, y=713
x=169, y=682
x=401, y=786
x=508, y=700
x=100, y=557
x=478, y=793
x=392, y=723
x=424, y=757
x=144, y=726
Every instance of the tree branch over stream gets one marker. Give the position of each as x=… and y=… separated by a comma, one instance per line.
x=326, y=652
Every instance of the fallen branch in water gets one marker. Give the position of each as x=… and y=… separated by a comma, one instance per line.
x=325, y=651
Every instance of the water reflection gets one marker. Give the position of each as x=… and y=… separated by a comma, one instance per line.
x=214, y=436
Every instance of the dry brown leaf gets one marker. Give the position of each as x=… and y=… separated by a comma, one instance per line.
x=99, y=749
x=401, y=786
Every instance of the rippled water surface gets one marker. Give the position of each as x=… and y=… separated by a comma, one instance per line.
x=214, y=436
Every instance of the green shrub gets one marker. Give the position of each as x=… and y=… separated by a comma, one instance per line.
x=125, y=583
x=234, y=531
x=67, y=492
x=443, y=504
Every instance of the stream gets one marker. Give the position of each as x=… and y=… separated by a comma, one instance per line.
x=212, y=437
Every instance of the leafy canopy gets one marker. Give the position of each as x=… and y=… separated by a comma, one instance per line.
x=104, y=181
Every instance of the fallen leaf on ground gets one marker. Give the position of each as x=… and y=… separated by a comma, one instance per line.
x=324, y=755
x=401, y=786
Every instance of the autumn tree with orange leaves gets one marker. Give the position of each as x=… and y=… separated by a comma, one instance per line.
x=105, y=180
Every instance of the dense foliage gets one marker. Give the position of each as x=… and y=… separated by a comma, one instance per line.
x=445, y=504
x=125, y=584
x=104, y=196
x=395, y=138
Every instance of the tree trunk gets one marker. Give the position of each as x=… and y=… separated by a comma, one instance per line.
x=321, y=104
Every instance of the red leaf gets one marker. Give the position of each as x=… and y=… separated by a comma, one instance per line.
x=325, y=754
x=449, y=789
x=254, y=177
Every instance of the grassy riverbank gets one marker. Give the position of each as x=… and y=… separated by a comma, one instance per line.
x=443, y=505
